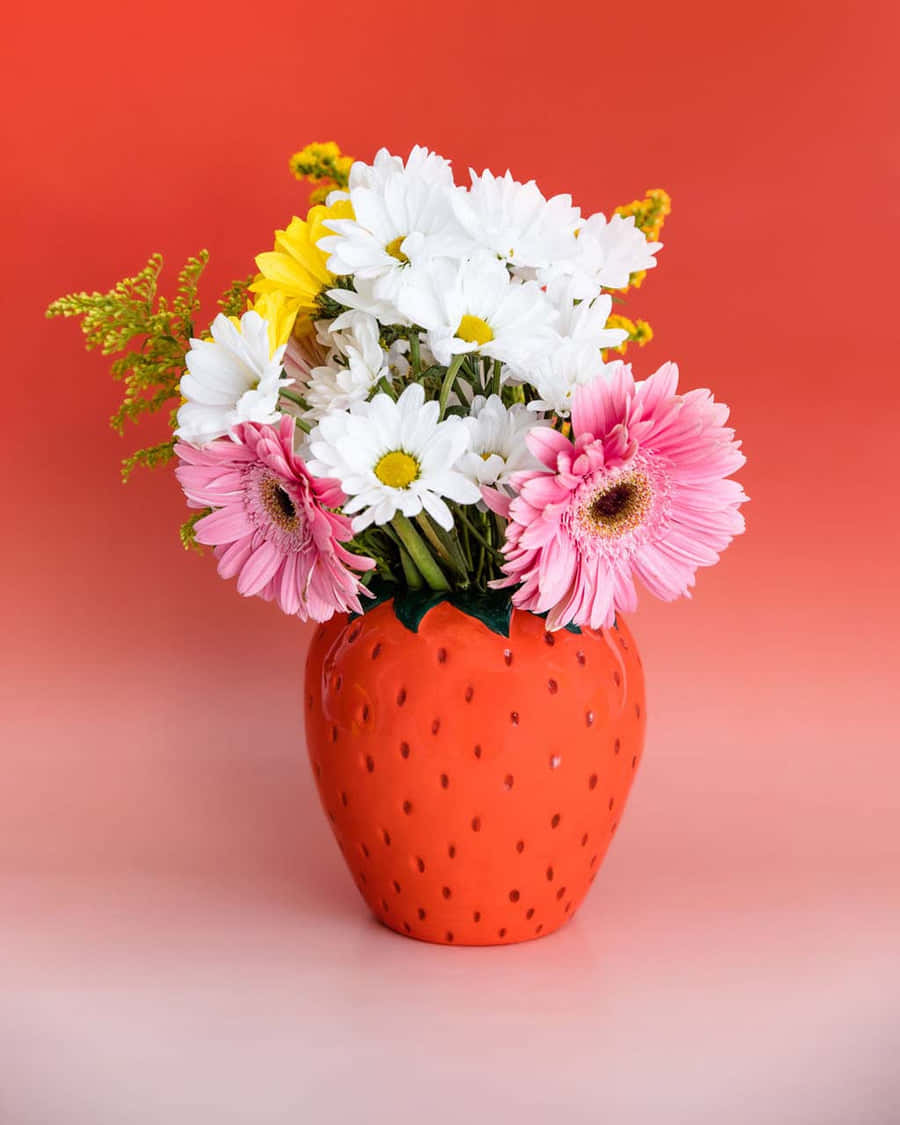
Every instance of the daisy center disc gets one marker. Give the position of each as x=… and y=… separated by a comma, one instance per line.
x=618, y=507
x=393, y=248
x=278, y=504
x=474, y=330
x=397, y=469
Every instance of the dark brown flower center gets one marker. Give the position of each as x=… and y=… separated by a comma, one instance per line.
x=613, y=504
x=278, y=504
x=618, y=507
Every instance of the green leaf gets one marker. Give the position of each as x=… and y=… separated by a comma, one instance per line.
x=411, y=606
x=492, y=608
x=381, y=591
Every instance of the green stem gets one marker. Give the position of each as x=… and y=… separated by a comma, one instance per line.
x=415, y=361
x=447, y=385
x=419, y=553
x=384, y=386
x=477, y=534
x=410, y=570
x=446, y=543
x=292, y=396
x=495, y=382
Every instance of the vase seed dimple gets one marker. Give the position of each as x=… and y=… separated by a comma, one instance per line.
x=477, y=751
x=612, y=801
x=404, y=749
x=592, y=781
x=508, y=781
x=513, y=896
x=420, y=863
x=507, y=656
x=370, y=763
x=401, y=697
x=520, y=846
x=555, y=760
x=549, y=639
x=580, y=657
x=435, y=726
x=560, y=892
x=386, y=836
x=376, y=651
x=617, y=745
x=529, y=913
x=501, y=932
x=476, y=823
x=445, y=781
x=451, y=851
x=554, y=823
x=396, y=886
x=589, y=718
x=407, y=807
x=470, y=691
x=442, y=656
x=421, y=914
x=446, y=892
x=549, y=874
x=552, y=687
x=514, y=718
x=476, y=917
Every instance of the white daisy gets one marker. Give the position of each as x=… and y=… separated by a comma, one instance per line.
x=364, y=298
x=556, y=376
x=355, y=366
x=394, y=457
x=516, y=222
x=399, y=223
x=474, y=306
x=608, y=252
x=583, y=320
x=421, y=164
x=230, y=378
x=497, y=440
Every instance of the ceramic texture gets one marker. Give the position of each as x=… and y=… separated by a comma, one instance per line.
x=473, y=781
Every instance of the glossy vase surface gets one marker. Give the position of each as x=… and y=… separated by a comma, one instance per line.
x=473, y=781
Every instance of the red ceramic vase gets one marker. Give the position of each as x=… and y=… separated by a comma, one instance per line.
x=473, y=781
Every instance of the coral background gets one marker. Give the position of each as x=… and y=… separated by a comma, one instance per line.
x=178, y=939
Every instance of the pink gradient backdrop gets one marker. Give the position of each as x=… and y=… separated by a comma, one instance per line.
x=178, y=939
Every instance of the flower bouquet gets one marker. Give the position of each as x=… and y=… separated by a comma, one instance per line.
x=413, y=424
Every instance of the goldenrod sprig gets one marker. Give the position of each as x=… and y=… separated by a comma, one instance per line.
x=153, y=335
x=324, y=164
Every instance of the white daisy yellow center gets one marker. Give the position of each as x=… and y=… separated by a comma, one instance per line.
x=474, y=330
x=397, y=469
x=393, y=248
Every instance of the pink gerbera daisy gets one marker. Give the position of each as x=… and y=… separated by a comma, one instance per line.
x=271, y=525
x=641, y=491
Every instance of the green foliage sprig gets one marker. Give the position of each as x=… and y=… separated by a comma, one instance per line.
x=187, y=532
x=151, y=333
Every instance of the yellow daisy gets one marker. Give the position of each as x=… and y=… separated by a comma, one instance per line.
x=279, y=314
x=296, y=268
